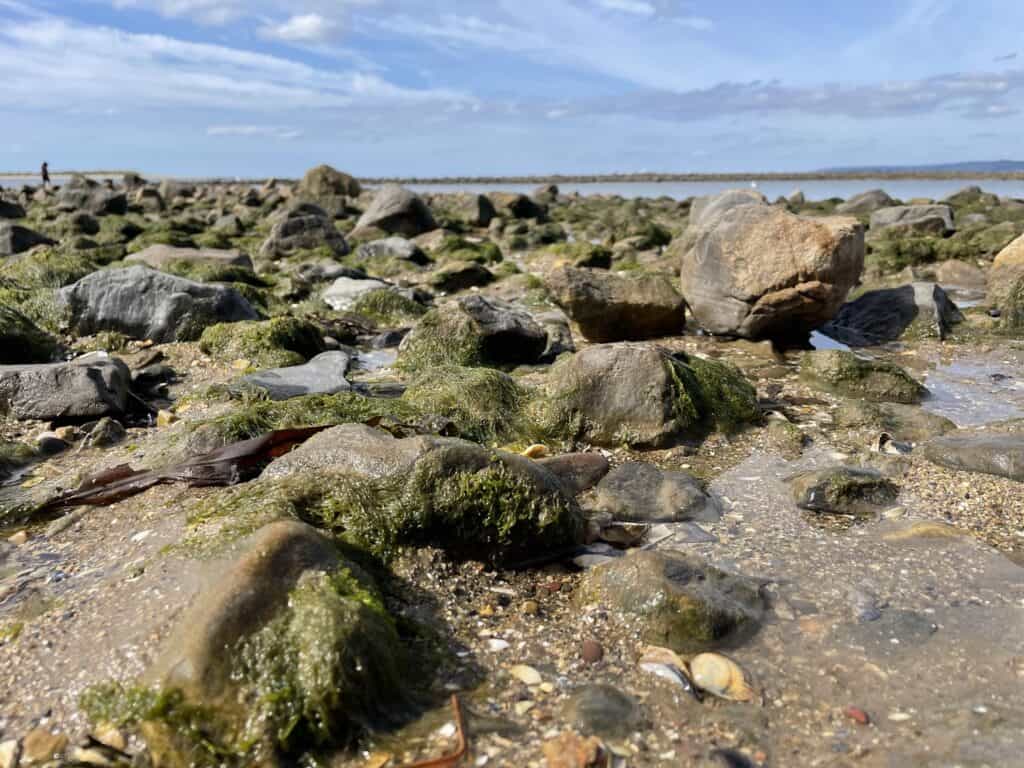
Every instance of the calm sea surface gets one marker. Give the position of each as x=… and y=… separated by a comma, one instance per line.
x=903, y=189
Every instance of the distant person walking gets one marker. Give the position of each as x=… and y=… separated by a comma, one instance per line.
x=45, y=173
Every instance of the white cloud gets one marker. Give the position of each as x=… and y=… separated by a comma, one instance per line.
x=214, y=12
x=56, y=63
x=697, y=23
x=260, y=131
x=636, y=7
x=304, y=28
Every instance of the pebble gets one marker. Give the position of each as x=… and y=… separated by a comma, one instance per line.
x=41, y=745
x=9, y=754
x=591, y=651
x=165, y=418
x=497, y=644
x=19, y=538
x=50, y=444
x=858, y=715
x=526, y=674
x=68, y=434
x=241, y=364
x=522, y=707
x=109, y=734
x=530, y=608
x=899, y=717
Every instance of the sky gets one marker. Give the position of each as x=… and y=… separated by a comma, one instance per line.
x=256, y=88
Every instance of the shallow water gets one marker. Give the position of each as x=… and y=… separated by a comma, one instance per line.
x=976, y=389
x=821, y=341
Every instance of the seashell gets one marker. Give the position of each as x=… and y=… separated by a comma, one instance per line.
x=885, y=443
x=721, y=676
x=667, y=664
x=535, y=451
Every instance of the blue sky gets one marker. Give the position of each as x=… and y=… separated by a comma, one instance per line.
x=482, y=87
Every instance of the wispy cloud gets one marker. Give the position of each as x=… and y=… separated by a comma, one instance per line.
x=304, y=28
x=257, y=131
x=637, y=7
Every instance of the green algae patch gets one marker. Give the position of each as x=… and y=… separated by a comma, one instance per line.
x=386, y=307
x=211, y=272
x=274, y=343
x=29, y=283
x=581, y=254
x=484, y=403
x=713, y=393
x=455, y=248
x=443, y=336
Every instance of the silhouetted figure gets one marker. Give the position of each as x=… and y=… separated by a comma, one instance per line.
x=45, y=173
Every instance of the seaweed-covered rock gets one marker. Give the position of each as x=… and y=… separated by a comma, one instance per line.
x=300, y=231
x=484, y=403
x=640, y=492
x=21, y=340
x=916, y=219
x=473, y=331
x=610, y=394
x=847, y=374
x=289, y=649
x=84, y=194
x=996, y=453
x=322, y=375
x=393, y=248
x=904, y=422
x=460, y=275
x=761, y=272
x=612, y=307
x=467, y=209
x=675, y=600
x=278, y=342
x=328, y=188
x=17, y=239
x=397, y=211
x=843, y=490
x=515, y=205
x=344, y=292
x=878, y=317
x=87, y=387
x=145, y=304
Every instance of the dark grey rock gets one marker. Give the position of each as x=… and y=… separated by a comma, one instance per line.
x=843, y=490
x=393, y=248
x=87, y=387
x=9, y=210
x=917, y=219
x=145, y=304
x=17, y=239
x=878, y=317
x=460, y=275
x=397, y=211
x=578, y=471
x=602, y=710
x=300, y=232
x=999, y=454
x=509, y=334
x=866, y=202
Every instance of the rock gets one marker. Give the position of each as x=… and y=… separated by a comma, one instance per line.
x=843, y=490
x=578, y=472
x=16, y=239
x=88, y=387
x=846, y=374
x=610, y=394
x=323, y=375
x=41, y=746
x=761, y=272
x=526, y=675
x=324, y=185
x=149, y=200
x=706, y=211
x=229, y=225
x=159, y=256
x=344, y=292
x=960, y=274
x=396, y=211
x=675, y=600
x=106, y=432
x=9, y=210
x=612, y=307
x=914, y=219
x=303, y=231
x=904, y=422
x=796, y=199
x=83, y=194
x=10, y=753
x=602, y=710
x=463, y=208
x=866, y=202
x=287, y=614
x=1011, y=256
x=514, y=205
x=556, y=325
x=473, y=331
x=460, y=275
x=570, y=750
x=393, y=248
x=145, y=304
x=77, y=224
x=591, y=651
x=878, y=317
x=22, y=341
x=640, y=492
x=355, y=449
x=1000, y=454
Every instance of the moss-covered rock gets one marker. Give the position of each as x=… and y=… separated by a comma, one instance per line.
x=574, y=255
x=610, y=394
x=28, y=284
x=387, y=307
x=675, y=600
x=275, y=343
x=486, y=404
x=14, y=456
x=843, y=490
x=846, y=374
x=162, y=235
x=456, y=248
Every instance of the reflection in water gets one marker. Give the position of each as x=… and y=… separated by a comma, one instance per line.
x=971, y=391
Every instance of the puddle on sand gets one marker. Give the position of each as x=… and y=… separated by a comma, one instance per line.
x=976, y=390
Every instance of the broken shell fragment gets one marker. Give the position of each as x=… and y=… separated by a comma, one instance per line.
x=721, y=676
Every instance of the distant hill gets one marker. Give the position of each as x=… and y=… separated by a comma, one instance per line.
x=982, y=166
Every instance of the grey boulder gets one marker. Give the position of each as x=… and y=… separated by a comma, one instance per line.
x=158, y=256
x=640, y=492
x=916, y=219
x=397, y=211
x=344, y=292
x=145, y=304
x=866, y=202
x=303, y=231
x=88, y=387
x=323, y=375
x=878, y=317
x=17, y=239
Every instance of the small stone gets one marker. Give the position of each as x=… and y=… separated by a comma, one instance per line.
x=40, y=746
x=19, y=538
x=165, y=418
x=9, y=754
x=68, y=434
x=241, y=364
x=111, y=735
x=49, y=444
x=522, y=707
x=899, y=717
x=858, y=715
x=525, y=674
x=530, y=608
x=107, y=432
x=496, y=644
x=486, y=611
x=536, y=451
x=591, y=651
x=573, y=751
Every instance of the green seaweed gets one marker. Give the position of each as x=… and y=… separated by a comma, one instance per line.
x=274, y=343
x=387, y=307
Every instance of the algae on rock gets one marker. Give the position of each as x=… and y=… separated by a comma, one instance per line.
x=274, y=343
